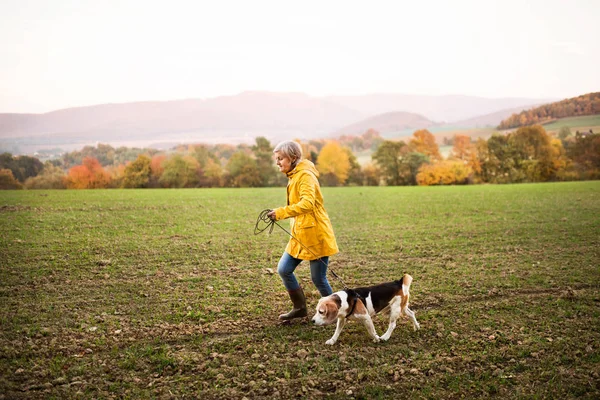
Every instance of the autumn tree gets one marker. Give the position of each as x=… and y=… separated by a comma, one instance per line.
x=8, y=181
x=424, y=142
x=585, y=153
x=137, y=173
x=212, y=174
x=447, y=172
x=88, y=175
x=371, y=175
x=533, y=153
x=462, y=149
x=333, y=164
x=51, y=177
x=156, y=169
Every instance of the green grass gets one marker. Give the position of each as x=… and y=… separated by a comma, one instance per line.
x=166, y=293
x=582, y=124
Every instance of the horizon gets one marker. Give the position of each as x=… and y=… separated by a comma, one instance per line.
x=71, y=55
x=293, y=93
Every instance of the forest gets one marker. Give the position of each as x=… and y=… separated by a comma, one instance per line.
x=587, y=104
x=528, y=154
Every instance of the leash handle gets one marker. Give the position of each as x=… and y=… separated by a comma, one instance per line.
x=270, y=224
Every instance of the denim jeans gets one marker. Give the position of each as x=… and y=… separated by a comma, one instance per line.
x=318, y=273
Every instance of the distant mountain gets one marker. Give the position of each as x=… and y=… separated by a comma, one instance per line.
x=448, y=109
x=491, y=120
x=221, y=117
x=387, y=123
x=236, y=119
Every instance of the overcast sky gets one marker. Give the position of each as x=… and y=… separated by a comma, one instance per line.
x=57, y=53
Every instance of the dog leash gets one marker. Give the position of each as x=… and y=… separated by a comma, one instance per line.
x=270, y=224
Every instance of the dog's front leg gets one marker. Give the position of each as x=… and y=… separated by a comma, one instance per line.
x=368, y=323
x=338, y=329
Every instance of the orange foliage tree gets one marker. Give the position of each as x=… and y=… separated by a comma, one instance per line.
x=423, y=142
x=88, y=175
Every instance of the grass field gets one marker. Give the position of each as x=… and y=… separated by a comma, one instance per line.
x=581, y=124
x=166, y=294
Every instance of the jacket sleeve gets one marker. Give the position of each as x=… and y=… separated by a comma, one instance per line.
x=307, y=192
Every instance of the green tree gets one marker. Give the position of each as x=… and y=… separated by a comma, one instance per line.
x=242, y=171
x=564, y=132
x=137, y=173
x=412, y=163
x=388, y=157
x=355, y=173
x=22, y=167
x=180, y=172
x=533, y=153
x=263, y=151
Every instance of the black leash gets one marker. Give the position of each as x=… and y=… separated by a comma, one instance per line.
x=269, y=224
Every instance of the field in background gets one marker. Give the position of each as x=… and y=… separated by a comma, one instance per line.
x=581, y=124
x=168, y=294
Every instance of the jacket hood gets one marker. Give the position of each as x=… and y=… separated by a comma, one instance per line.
x=304, y=165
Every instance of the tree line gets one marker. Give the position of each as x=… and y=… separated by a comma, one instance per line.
x=587, y=104
x=528, y=154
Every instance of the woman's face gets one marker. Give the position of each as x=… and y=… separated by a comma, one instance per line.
x=283, y=162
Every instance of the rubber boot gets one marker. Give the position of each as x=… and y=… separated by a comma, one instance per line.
x=299, y=301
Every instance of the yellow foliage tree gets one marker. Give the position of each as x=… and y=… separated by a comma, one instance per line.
x=333, y=164
x=449, y=172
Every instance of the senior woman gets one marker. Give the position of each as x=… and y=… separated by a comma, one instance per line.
x=313, y=237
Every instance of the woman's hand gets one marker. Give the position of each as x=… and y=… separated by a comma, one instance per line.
x=271, y=215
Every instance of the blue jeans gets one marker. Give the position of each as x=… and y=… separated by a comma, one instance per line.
x=318, y=273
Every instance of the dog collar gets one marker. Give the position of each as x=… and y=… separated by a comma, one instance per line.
x=356, y=296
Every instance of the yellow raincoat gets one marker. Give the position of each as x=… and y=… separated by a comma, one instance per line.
x=310, y=223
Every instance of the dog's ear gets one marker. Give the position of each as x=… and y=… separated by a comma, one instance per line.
x=332, y=311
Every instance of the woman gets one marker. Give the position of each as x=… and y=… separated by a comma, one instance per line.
x=313, y=237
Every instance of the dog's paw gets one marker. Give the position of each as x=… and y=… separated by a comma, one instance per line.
x=376, y=339
x=416, y=326
x=330, y=342
x=385, y=338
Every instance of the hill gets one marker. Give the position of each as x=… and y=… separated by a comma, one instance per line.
x=388, y=123
x=449, y=108
x=587, y=104
x=490, y=120
x=228, y=119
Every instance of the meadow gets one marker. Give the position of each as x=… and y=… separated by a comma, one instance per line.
x=169, y=294
x=581, y=124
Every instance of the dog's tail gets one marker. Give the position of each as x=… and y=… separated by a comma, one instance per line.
x=406, y=281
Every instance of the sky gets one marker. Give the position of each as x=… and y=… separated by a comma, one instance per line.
x=58, y=54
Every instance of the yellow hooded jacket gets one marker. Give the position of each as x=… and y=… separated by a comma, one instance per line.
x=310, y=223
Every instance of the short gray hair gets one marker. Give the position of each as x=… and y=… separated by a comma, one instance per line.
x=290, y=149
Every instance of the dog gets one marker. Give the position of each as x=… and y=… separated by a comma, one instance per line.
x=363, y=303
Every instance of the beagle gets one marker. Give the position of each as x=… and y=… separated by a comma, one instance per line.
x=363, y=303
